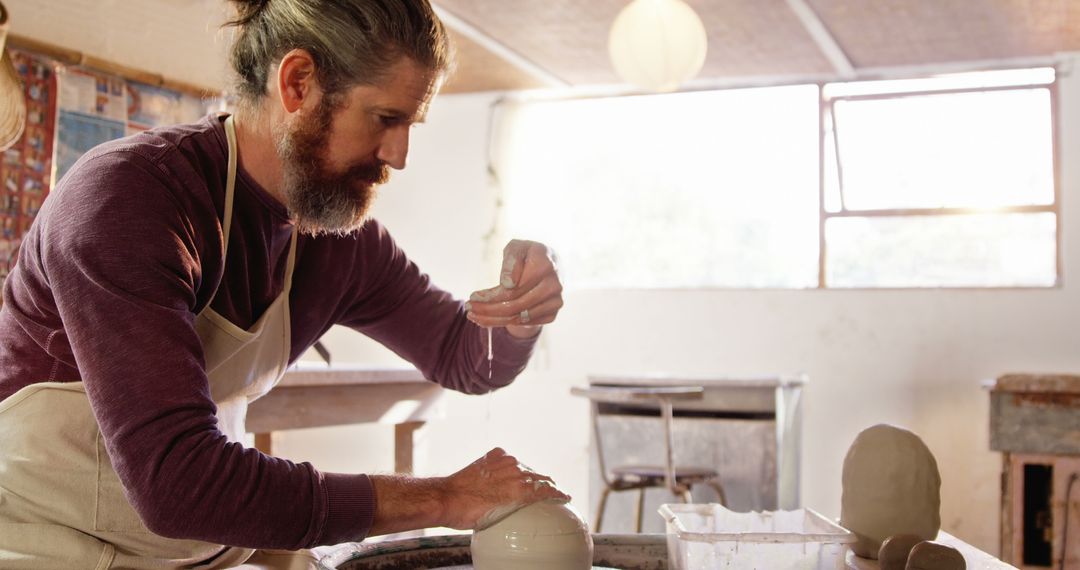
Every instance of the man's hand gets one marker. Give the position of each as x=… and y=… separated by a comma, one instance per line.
x=529, y=293
x=495, y=483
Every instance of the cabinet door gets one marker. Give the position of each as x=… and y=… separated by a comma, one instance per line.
x=1034, y=524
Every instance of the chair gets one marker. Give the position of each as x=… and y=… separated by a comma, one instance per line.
x=676, y=479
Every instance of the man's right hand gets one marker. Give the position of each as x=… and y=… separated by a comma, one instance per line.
x=495, y=482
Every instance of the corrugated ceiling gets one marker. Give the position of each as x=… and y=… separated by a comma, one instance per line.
x=752, y=41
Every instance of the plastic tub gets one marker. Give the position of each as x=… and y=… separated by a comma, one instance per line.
x=710, y=536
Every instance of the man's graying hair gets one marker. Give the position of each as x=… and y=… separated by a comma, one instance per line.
x=353, y=42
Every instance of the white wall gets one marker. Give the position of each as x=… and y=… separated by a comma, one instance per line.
x=914, y=358
x=182, y=39
x=909, y=357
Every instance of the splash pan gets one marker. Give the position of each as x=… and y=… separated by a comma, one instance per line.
x=619, y=551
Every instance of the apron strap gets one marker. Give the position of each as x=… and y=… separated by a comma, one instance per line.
x=230, y=183
x=291, y=263
x=230, y=191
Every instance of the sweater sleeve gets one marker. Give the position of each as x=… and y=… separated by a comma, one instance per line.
x=397, y=305
x=124, y=252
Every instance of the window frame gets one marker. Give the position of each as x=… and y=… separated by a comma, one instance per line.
x=827, y=122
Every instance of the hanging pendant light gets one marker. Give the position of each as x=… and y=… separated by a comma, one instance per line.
x=657, y=44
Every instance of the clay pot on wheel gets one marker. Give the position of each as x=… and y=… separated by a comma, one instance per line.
x=540, y=536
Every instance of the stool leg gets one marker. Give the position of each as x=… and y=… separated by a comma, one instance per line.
x=600, y=509
x=719, y=491
x=640, y=508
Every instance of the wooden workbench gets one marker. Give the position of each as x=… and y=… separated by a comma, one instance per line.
x=315, y=395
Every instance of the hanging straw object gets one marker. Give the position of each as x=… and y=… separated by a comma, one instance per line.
x=12, y=101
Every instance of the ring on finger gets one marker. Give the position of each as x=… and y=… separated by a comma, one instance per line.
x=524, y=316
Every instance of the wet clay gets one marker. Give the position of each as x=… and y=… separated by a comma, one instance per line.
x=496, y=515
x=935, y=556
x=891, y=486
x=541, y=536
x=894, y=551
x=501, y=512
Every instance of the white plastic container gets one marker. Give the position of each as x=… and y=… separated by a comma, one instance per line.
x=709, y=536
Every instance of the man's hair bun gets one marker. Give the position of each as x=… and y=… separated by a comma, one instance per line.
x=247, y=10
x=351, y=42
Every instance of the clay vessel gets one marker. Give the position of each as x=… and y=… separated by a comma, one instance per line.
x=541, y=536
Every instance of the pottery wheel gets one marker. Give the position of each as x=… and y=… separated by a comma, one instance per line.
x=610, y=552
x=469, y=567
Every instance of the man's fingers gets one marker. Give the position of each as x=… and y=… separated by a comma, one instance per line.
x=525, y=264
x=495, y=295
x=552, y=492
x=496, y=485
x=515, y=255
x=500, y=293
x=530, y=300
x=541, y=314
x=540, y=486
x=538, y=266
x=542, y=489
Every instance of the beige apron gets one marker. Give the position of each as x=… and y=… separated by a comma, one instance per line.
x=61, y=504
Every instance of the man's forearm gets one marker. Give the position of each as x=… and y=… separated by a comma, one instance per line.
x=407, y=503
x=496, y=480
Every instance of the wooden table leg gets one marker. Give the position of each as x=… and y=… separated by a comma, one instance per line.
x=403, y=446
x=264, y=443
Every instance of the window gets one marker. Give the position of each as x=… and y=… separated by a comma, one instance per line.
x=938, y=182
x=946, y=182
x=714, y=189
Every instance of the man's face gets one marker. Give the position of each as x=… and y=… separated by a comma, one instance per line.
x=335, y=155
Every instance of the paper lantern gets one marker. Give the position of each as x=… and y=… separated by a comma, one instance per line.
x=657, y=44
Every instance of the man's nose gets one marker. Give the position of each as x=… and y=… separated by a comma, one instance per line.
x=394, y=148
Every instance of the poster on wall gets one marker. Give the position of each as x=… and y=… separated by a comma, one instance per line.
x=26, y=168
x=92, y=110
x=70, y=111
x=150, y=106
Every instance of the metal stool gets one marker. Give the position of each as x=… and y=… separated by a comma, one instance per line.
x=676, y=479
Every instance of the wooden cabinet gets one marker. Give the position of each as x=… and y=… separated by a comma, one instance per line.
x=1035, y=422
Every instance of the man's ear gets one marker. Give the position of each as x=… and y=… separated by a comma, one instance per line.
x=296, y=81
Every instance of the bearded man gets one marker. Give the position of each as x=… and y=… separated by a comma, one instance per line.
x=172, y=276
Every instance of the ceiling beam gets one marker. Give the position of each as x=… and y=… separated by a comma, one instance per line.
x=823, y=38
x=498, y=48
x=1060, y=60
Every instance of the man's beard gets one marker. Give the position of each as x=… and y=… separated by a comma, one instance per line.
x=320, y=200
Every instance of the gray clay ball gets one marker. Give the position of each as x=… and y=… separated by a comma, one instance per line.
x=935, y=556
x=894, y=551
x=891, y=486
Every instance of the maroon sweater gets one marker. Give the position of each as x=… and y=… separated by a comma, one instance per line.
x=123, y=255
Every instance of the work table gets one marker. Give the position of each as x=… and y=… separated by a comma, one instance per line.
x=316, y=395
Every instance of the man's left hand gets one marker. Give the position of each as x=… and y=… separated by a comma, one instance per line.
x=529, y=293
